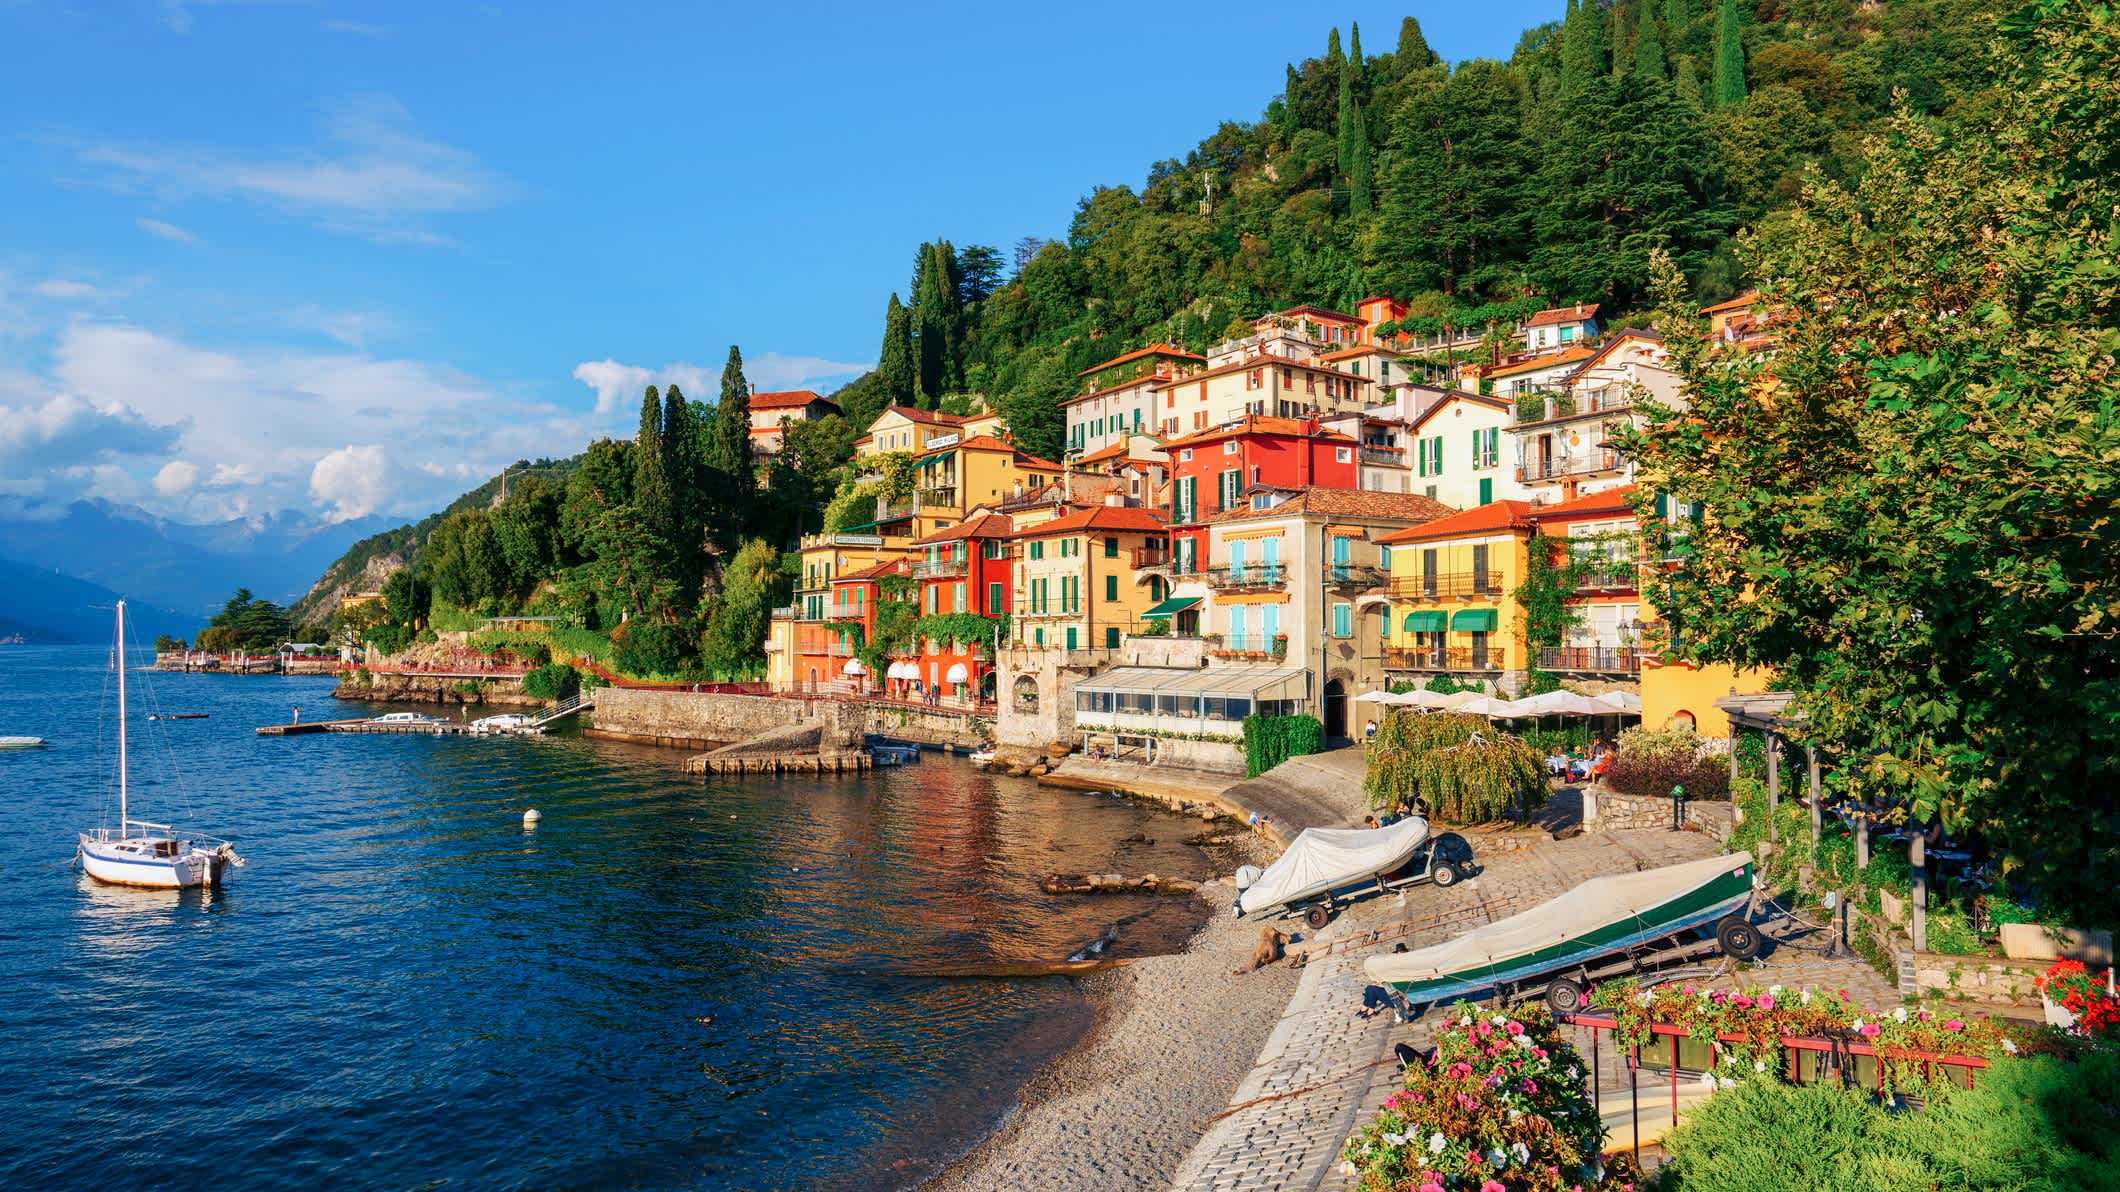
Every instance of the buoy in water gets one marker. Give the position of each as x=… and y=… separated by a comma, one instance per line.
x=531, y=816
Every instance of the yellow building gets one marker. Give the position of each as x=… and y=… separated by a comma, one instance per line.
x=800, y=637
x=1680, y=692
x=907, y=428
x=1075, y=583
x=957, y=474
x=1451, y=611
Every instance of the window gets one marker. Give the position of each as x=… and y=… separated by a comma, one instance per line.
x=1343, y=620
x=1343, y=455
x=1431, y=452
x=957, y=598
x=1486, y=447
x=1071, y=637
x=1185, y=456
x=1229, y=446
x=1479, y=568
x=1037, y=550
x=1384, y=557
x=1486, y=490
x=1111, y=547
x=993, y=598
x=1228, y=485
x=1111, y=637
x=1187, y=499
x=1567, y=334
x=1040, y=634
x=1111, y=587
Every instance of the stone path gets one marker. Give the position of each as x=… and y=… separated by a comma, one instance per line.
x=1325, y=1069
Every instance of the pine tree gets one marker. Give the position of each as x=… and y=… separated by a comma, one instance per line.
x=897, y=363
x=1685, y=83
x=1616, y=39
x=937, y=322
x=1413, y=52
x=1729, y=56
x=1678, y=25
x=1346, y=124
x=684, y=469
x=1649, y=64
x=1454, y=203
x=654, y=509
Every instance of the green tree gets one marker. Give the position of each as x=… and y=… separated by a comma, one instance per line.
x=1582, y=49
x=1413, y=52
x=1910, y=509
x=979, y=267
x=897, y=362
x=751, y=585
x=406, y=597
x=729, y=454
x=526, y=528
x=465, y=562
x=1649, y=64
x=937, y=285
x=653, y=502
x=1452, y=202
x=1729, y=55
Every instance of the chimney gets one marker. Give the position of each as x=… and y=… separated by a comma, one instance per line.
x=1578, y=310
x=1115, y=498
x=754, y=389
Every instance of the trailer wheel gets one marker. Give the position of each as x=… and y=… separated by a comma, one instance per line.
x=1317, y=917
x=1564, y=996
x=1739, y=939
x=1445, y=874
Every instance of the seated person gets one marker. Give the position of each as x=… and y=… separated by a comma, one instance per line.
x=1601, y=766
x=1557, y=764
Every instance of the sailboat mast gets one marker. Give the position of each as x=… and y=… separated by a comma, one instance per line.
x=123, y=813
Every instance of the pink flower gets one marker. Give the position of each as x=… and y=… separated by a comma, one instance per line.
x=1540, y=1052
x=1871, y=1030
x=1492, y=1186
x=1431, y=1186
x=1516, y=1028
x=1954, y=1025
x=1472, y=1158
x=1741, y=1002
x=1766, y=1001
x=1689, y=990
x=1717, y=997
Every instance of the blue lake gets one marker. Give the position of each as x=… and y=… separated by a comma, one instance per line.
x=665, y=984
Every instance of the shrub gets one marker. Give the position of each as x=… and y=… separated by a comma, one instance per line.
x=1271, y=740
x=1502, y=1104
x=1652, y=762
x=555, y=680
x=166, y=644
x=644, y=648
x=1463, y=768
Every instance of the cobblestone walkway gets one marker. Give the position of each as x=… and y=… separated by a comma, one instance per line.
x=1325, y=1069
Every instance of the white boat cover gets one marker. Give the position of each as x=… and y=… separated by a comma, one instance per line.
x=1589, y=906
x=1320, y=859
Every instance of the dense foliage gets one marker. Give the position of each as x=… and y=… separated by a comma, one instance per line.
x=2038, y=1122
x=246, y=624
x=1652, y=762
x=1917, y=492
x=1462, y=768
x=1271, y=740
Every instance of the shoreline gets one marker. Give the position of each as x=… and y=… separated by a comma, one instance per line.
x=1171, y=1039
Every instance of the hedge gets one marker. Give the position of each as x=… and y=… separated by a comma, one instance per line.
x=1271, y=740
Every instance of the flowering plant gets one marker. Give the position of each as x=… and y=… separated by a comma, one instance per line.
x=1500, y=1108
x=2084, y=994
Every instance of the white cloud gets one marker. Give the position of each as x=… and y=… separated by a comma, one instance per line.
x=619, y=387
x=176, y=477
x=351, y=481
x=167, y=231
x=772, y=370
x=66, y=434
x=374, y=174
x=65, y=290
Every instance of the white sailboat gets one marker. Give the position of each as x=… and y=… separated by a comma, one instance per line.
x=139, y=853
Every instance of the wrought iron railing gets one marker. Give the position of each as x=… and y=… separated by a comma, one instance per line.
x=1441, y=658
x=1622, y=660
x=1449, y=585
x=1250, y=575
x=939, y=569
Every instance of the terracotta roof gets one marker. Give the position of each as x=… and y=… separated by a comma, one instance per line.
x=1114, y=451
x=1486, y=519
x=1257, y=424
x=1746, y=299
x=989, y=525
x=1546, y=360
x=1100, y=517
x=934, y=417
x=1372, y=348
x=990, y=443
x=1137, y=353
x=871, y=572
x=1258, y=362
x=788, y=399
x=1612, y=344
x=1340, y=502
x=1611, y=500
x=1307, y=309
x=1563, y=314
x=1459, y=395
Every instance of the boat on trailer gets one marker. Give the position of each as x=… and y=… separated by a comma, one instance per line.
x=140, y=853
x=1325, y=867
x=1605, y=926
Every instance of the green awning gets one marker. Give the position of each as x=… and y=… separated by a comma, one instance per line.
x=1172, y=606
x=1427, y=622
x=1474, y=620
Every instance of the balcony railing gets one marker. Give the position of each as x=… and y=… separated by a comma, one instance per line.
x=1251, y=575
x=1614, y=579
x=786, y=612
x=887, y=511
x=1613, y=660
x=1455, y=658
x=1454, y=585
x=940, y=496
x=1145, y=557
x=1581, y=463
x=1245, y=647
x=1388, y=456
x=939, y=569
x=1354, y=574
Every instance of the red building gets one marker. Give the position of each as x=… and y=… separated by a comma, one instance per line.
x=1210, y=469
x=962, y=569
x=825, y=649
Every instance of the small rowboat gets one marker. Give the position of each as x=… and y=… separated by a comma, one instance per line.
x=1603, y=920
x=21, y=742
x=179, y=715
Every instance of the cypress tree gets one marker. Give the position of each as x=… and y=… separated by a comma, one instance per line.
x=684, y=468
x=1413, y=53
x=1685, y=81
x=901, y=371
x=1361, y=176
x=1649, y=47
x=1582, y=50
x=1287, y=124
x=1355, y=62
x=938, y=322
x=1729, y=56
x=1334, y=59
x=1678, y=23
x=1346, y=123
x=654, y=508
x=729, y=454
x=1616, y=43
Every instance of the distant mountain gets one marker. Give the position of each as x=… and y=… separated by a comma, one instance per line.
x=43, y=605
x=367, y=563
x=189, y=568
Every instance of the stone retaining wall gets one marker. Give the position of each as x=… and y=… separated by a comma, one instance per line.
x=502, y=690
x=686, y=720
x=1607, y=810
x=1986, y=980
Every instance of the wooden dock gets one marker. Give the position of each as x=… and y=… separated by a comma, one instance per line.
x=801, y=763
x=442, y=728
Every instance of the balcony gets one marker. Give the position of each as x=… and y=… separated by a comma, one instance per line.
x=1245, y=647
x=1390, y=457
x=1354, y=575
x=1145, y=557
x=1250, y=577
x=1456, y=658
x=1620, y=578
x=939, y=496
x=786, y=612
x=1602, y=660
x=1456, y=585
x=940, y=569
x=890, y=511
x=1581, y=463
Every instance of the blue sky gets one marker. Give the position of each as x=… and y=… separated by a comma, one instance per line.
x=343, y=258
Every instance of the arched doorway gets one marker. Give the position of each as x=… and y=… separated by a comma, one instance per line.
x=1026, y=693
x=1335, y=709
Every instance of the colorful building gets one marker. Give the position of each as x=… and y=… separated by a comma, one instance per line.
x=1600, y=534
x=1211, y=470
x=1549, y=330
x=1117, y=397
x=908, y=428
x=957, y=474
x=770, y=412
x=1450, y=605
x=965, y=568
x=1566, y=437
x=808, y=643
x=1456, y=444
x=1254, y=384
x=1079, y=577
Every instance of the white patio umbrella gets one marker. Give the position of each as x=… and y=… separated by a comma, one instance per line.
x=957, y=674
x=1430, y=700
x=1373, y=697
x=1490, y=707
x=854, y=667
x=1562, y=703
x=1620, y=701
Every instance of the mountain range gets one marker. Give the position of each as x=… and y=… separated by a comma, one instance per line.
x=63, y=559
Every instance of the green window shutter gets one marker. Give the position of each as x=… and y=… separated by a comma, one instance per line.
x=1071, y=637
x=993, y=597
x=1111, y=637
x=1486, y=490
x=1111, y=587
x=1111, y=547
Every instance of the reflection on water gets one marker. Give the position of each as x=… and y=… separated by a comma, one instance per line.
x=665, y=984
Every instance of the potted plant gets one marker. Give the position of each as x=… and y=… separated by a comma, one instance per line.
x=1280, y=646
x=2075, y=999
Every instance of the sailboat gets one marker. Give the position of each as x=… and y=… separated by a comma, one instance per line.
x=139, y=853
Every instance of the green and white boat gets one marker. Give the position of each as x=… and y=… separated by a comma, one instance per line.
x=1606, y=924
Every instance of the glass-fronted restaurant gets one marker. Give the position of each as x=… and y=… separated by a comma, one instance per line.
x=1152, y=699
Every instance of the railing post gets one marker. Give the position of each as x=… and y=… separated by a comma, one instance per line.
x=1773, y=786
x=1810, y=753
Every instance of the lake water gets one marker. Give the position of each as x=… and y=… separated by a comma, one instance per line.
x=666, y=984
